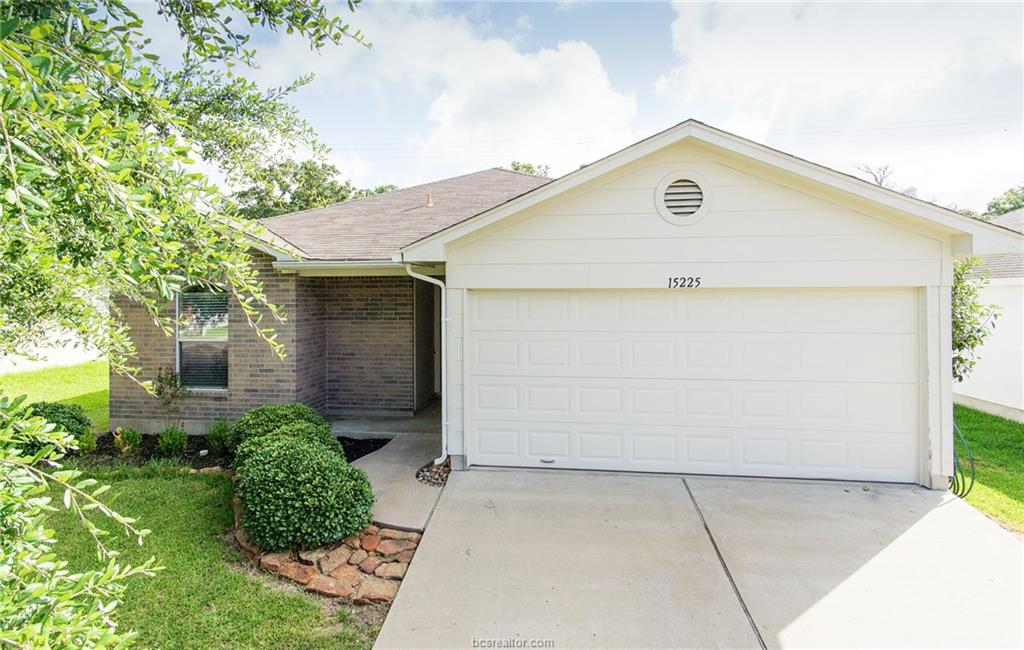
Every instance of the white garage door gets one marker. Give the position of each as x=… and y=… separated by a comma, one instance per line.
x=797, y=383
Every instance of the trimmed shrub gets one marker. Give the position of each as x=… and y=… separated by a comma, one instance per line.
x=70, y=418
x=298, y=494
x=172, y=441
x=128, y=440
x=313, y=433
x=221, y=438
x=264, y=420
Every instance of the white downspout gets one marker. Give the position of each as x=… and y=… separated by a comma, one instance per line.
x=444, y=358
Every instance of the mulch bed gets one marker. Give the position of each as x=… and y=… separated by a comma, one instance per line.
x=150, y=449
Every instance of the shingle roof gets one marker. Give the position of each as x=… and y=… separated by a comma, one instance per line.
x=376, y=227
x=1006, y=265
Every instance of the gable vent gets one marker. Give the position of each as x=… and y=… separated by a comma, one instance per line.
x=683, y=197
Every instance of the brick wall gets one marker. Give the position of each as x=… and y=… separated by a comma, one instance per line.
x=424, y=314
x=349, y=345
x=370, y=344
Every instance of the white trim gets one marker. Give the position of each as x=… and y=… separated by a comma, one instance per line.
x=335, y=268
x=431, y=248
x=177, y=351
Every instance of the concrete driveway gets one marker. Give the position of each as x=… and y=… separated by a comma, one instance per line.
x=581, y=559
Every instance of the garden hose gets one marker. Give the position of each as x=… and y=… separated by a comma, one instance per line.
x=962, y=481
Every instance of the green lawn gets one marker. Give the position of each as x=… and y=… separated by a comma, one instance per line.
x=204, y=598
x=998, y=447
x=85, y=384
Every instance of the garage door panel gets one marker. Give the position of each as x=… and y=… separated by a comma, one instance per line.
x=796, y=356
x=817, y=384
x=797, y=310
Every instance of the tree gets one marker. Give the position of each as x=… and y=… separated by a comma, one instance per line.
x=530, y=168
x=99, y=197
x=98, y=138
x=290, y=186
x=881, y=176
x=42, y=603
x=973, y=320
x=1010, y=200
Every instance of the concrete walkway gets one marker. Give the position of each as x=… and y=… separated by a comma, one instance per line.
x=400, y=501
x=427, y=421
x=587, y=559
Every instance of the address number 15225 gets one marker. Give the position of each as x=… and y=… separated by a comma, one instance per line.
x=684, y=282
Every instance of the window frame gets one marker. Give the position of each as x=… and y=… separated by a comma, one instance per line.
x=178, y=341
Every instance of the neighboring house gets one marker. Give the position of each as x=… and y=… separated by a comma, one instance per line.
x=693, y=303
x=996, y=384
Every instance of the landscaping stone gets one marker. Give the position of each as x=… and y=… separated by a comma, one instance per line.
x=390, y=533
x=312, y=557
x=358, y=557
x=300, y=573
x=366, y=568
x=394, y=546
x=272, y=561
x=334, y=558
x=215, y=469
x=392, y=570
x=376, y=590
x=369, y=543
x=405, y=556
x=352, y=541
x=347, y=574
x=370, y=564
x=245, y=543
x=330, y=587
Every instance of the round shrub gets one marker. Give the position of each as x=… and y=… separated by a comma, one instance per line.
x=297, y=494
x=70, y=418
x=220, y=438
x=313, y=433
x=173, y=441
x=264, y=420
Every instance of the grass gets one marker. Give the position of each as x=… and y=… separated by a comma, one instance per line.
x=998, y=448
x=85, y=384
x=204, y=598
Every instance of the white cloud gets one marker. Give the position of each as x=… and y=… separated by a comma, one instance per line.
x=933, y=90
x=485, y=102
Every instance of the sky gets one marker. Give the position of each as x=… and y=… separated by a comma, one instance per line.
x=935, y=91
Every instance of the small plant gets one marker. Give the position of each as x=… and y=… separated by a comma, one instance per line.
x=298, y=494
x=220, y=438
x=167, y=388
x=172, y=441
x=264, y=420
x=85, y=443
x=127, y=440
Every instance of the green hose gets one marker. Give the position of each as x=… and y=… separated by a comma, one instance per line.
x=962, y=481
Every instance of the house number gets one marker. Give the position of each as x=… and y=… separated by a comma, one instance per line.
x=684, y=282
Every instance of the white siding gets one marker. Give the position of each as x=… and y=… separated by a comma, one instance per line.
x=756, y=233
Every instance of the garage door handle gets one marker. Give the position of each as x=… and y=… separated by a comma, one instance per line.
x=547, y=460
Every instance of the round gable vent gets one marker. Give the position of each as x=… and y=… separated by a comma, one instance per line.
x=683, y=197
x=680, y=199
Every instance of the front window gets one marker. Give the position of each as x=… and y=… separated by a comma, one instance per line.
x=203, y=339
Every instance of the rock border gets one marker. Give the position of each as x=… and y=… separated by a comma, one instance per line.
x=365, y=568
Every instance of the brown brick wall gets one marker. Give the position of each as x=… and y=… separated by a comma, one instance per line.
x=424, y=308
x=349, y=345
x=370, y=344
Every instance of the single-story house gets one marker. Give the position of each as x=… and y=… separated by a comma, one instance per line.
x=996, y=384
x=693, y=303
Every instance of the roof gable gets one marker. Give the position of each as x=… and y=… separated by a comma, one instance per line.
x=973, y=235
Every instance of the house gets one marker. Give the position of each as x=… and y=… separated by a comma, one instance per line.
x=996, y=384
x=695, y=302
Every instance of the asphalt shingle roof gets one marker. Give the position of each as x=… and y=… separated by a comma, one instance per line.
x=1006, y=265
x=378, y=226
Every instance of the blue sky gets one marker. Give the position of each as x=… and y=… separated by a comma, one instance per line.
x=933, y=90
